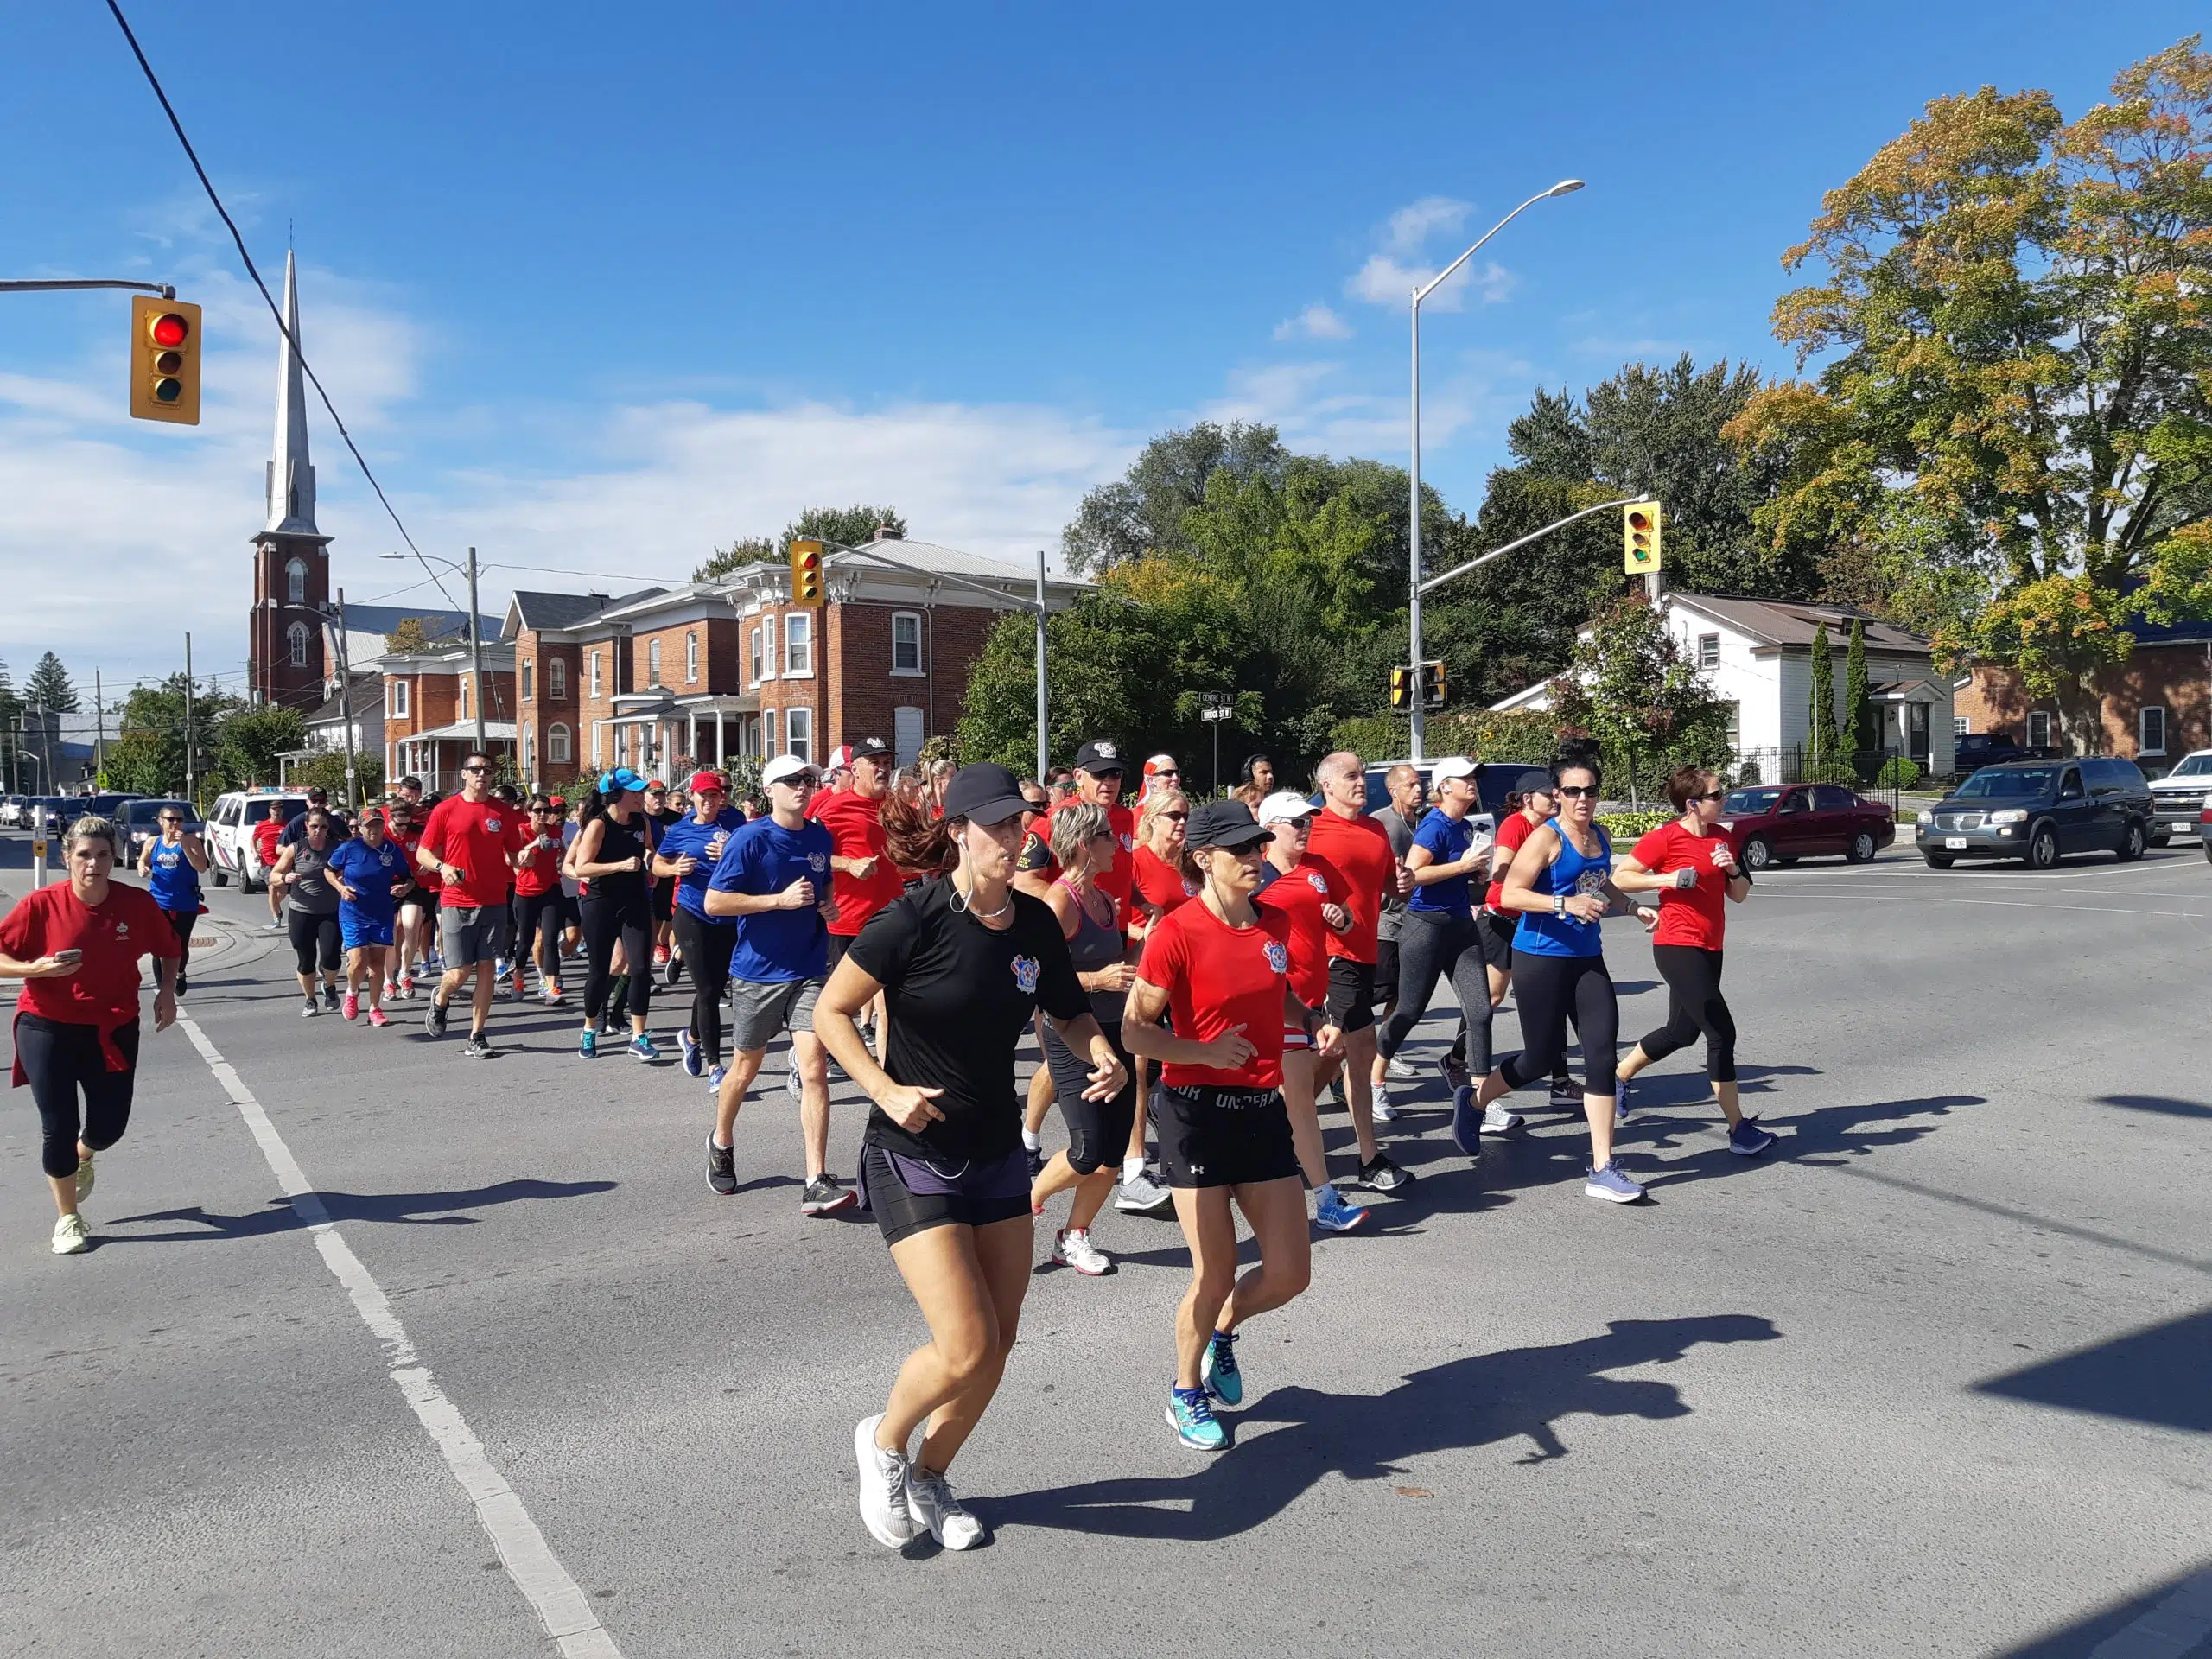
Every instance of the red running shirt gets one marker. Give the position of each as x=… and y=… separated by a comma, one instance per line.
x=1159, y=883
x=1698, y=915
x=855, y=827
x=543, y=873
x=477, y=838
x=1299, y=895
x=266, y=833
x=1512, y=835
x=114, y=935
x=1217, y=976
x=1358, y=850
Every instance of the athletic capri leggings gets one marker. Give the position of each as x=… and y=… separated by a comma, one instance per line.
x=64, y=1062
x=605, y=921
x=316, y=941
x=1549, y=989
x=183, y=921
x=1434, y=944
x=1098, y=1130
x=705, y=946
x=1695, y=1004
x=537, y=927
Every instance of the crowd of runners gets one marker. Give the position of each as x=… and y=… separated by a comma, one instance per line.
x=1200, y=976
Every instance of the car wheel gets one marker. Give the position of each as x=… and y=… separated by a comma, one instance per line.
x=2131, y=843
x=1941, y=861
x=2043, y=848
x=1759, y=854
x=221, y=876
x=1862, y=848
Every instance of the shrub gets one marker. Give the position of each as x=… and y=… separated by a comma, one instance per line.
x=1625, y=828
x=1898, y=771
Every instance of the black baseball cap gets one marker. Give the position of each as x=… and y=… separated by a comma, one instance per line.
x=1529, y=782
x=984, y=793
x=1100, y=755
x=1226, y=824
x=870, y=748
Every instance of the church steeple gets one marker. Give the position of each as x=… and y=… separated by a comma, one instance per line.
x=291, y=478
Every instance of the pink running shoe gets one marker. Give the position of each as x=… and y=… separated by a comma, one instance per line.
x=351, y=1009
x=376, y=1017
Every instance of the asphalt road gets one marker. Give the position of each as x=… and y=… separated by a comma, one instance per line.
x=1928, y=1380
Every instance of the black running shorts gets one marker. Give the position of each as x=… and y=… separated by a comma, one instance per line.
x=1352, y=993
x=1225, y=1137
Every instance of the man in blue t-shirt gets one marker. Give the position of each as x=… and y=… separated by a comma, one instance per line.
x=690, y=850
x=368, y=871
x=774, y=878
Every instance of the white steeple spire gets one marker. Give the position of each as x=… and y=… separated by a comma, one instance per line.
x=291, y=479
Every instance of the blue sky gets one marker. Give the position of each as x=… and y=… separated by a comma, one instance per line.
x=598, y=287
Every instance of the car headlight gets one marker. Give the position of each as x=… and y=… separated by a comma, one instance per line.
x=1725, y=823
x=2010, y=815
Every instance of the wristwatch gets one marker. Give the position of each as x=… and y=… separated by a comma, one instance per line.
x=1558, y=903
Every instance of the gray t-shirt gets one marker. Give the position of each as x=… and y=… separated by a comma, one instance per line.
x=1402, y=841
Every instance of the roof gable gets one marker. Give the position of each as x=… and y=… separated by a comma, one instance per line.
x=1788, y=622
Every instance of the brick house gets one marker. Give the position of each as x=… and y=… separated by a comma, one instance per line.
x=2154, y=707
x=430, y=712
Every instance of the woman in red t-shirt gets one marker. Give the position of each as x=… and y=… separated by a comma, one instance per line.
x=1164, y=875
x=1222, y=969
x=1691, y=865
x=75, y=945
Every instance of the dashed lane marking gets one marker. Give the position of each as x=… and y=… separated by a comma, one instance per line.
x=536, y=1571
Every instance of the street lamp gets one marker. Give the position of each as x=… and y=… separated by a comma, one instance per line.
x=476, y=644
x=1565, y=186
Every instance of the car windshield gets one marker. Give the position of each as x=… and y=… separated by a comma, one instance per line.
x=1751, y=800
x=2026, y=780
x=2196, y=767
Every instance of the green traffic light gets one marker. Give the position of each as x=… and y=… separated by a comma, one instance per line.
x=168, y=391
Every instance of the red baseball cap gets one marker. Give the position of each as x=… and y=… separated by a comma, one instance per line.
x=706, y=779
x=840, y=758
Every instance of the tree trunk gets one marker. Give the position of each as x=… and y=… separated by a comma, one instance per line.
x=2081, y=712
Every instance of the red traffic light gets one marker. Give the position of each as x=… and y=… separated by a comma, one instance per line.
x=169, y=330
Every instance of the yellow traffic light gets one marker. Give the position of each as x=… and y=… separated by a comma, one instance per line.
x=1640, y=538
x=1431, y=685
x=164, y=360
x=1401, y=688
x=806, y=572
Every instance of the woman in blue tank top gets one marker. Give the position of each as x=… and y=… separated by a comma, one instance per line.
x=171, y=865
x=1561, y=884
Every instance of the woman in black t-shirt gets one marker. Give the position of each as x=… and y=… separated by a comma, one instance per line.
x=961, y=963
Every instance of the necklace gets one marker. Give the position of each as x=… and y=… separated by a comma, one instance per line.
x=961, y=901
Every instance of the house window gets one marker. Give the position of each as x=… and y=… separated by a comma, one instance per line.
x=529, y=679
x=295, y=580
x=558, y=750
x=799, y=644
x=905, y=642
x=464, y=696
x=652, y=663
x=622, y=746
x=297, y=633
x=768, y=733
x=691, y=658
x=1958, y=727
x=1916, y=731
x=595, y=676
x=2039, y=729
x=528, y=753
x=1708, y=651
x=1735, y=726
x=557, y=680
x=2150, y=730
x=798, y=732
x=753, y=657
x=768, y=649
x=395, y=696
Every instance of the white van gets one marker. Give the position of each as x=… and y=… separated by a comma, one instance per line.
x=230, y=833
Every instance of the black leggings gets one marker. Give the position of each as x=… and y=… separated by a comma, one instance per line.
x=315, y=939
x=183, y=921
x=537, y=928
x=605, y=921
x=1549, y=989
x=1098, y=1130
x=62, y=1062
x=1434, y=944
x=706, y=947
x=1695, y=1004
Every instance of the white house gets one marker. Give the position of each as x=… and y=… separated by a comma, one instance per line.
x=1758, y=655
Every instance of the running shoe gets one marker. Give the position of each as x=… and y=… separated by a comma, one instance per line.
x=1454, y=1070
x=931, y=1506
x=695, y=1064
x=884, y=1508
x=183, y=984
x=407, y=985
x=351, y=1007
x=715, y=1076
x=641, y=1046
x=1611, y=1185
x=330, y=998
x=1382, y=1175
x=1333, y=1215
x=587, y=1044
x=1497, y=1122
x=1073, y=1249
x=675, y=970
x=391, y=989
x=1622, y=1087
x=436, y=1021
x=377, y=1018
x=1217, y=1372
x=551, y=995
x=1466, y=1122
x=1143, y=1197
x=1383, y=1111
x=1564, y=1096
x=1335, y=1095
x=309, y=1007
x=501, y=969
x=478, y=1047
x=1401, y=1070
x=721, y=1167
x=70, y=1237
x=823, y=1195
x=1036, y=1156
x=1190, y=1414
x=277, y=926
x=1747, y=1139
x=791, y=1084
x=84, y=1176
x=660, y=956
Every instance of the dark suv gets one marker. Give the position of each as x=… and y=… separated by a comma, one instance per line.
x=2039, y=811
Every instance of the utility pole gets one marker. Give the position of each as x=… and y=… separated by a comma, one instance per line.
x=346, y=711
x=190, y=778
x=1044, y=737
x=99, y=729
x=475, y=654
x=1217, y=707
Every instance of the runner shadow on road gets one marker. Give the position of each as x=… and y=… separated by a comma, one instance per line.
x=1482, y=1399
x=417, y=1209
x=1828, y=1135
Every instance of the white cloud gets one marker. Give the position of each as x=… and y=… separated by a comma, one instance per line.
x=1316, y=321
x=1391, y=274
x=1412, y=225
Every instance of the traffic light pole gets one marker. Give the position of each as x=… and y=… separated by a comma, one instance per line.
x=161, y=289
x=1458, y=570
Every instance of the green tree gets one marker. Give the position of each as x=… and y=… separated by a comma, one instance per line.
x=853, y=526
x=326, y=770
x=147, y=754
x=1630, y=687
x=10, y=704
x=751, y=549
x=1860, y=724
x=250, y=740
x=411, y=636
x=2013, y=421
x=1143, y=511
x=1821, y=740
x=50, y=686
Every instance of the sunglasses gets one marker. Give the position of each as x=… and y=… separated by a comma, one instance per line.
x=172, y=821
x=476, y=769
x=803, y=780
x=1176, y=817
x=1712, y=795
x=1576, y=791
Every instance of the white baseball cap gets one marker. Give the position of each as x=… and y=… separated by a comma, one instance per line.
x=1285, y=806
x=1457, y=767
x=786, y=766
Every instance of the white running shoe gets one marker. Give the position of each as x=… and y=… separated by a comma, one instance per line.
x=70, y=1237
x=1399, y=1070
x=931, y=1503
x=84, y=1176
x=1498, y=1120
x=885, y=1484
x=1383, y=1114
x=1073, y=1249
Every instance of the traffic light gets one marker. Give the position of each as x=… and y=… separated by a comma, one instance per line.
x=1640, y=538
x=164, y=360
x=1401, y=688
x=806, y=572
x=1431, y=685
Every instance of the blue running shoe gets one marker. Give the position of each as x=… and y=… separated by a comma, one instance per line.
x=715, y=1079
x=1748, y=1139
x=587, y=1044
x=1217, y=1371
x=1466, y=1122
x=694, y=1064
x=1622, y=1089
x=1190, y=1414
x=1333, y=1215
x=642, y=1046
x=1611, y=1185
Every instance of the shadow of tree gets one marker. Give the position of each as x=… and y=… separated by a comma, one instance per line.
x=2152, y=1375
x=2164, y=1104
x=415, y=1209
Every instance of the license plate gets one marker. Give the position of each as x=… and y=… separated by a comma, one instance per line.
x=1955, y=843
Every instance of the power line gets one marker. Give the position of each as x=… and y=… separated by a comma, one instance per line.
x=230, y=225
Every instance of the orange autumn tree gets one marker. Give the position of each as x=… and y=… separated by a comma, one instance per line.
x=2012, y=421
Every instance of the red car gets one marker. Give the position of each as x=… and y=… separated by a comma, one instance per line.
x=1780, y=824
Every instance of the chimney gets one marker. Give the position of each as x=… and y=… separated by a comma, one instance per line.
x=886, y=533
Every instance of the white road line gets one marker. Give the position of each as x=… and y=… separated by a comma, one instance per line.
x=2010, y=904
x=2175, y=1627
x=556, y=1598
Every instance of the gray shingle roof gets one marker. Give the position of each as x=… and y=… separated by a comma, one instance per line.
x=1791, y=622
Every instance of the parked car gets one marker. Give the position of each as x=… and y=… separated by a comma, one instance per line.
x=230, y=832
x=139, y=821
x=2204, y=830
x=2040, y=811
x=11, y=811
x=1779, y=824
x=2177, y=799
